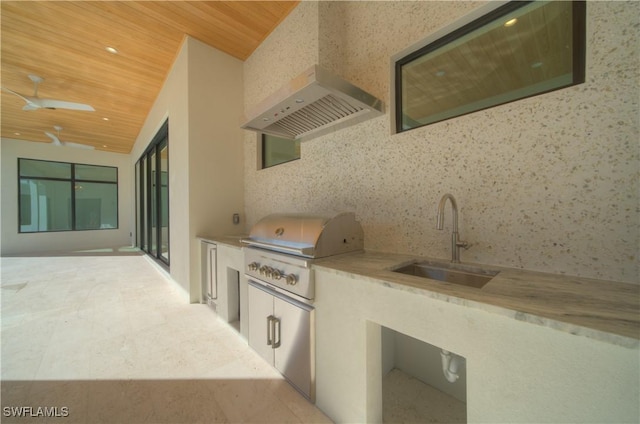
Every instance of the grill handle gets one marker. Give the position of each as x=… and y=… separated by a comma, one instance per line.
x=276, y=322
x=306, y=251
x=270, y=328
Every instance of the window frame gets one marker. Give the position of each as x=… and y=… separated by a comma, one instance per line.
x=72, y=184
x=474, y=20
x=262, y=140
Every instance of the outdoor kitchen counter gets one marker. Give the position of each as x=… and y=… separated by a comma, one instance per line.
x=602, y=310
x=231, y=241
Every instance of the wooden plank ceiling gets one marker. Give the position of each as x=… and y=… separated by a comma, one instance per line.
x=64, y=42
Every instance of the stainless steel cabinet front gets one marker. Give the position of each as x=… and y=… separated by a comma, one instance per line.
x=280, y=330
x=260, y=309
x=212, y=270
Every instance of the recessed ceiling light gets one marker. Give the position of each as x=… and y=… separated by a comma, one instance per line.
x=440, y=73
x=536, y=65
x=111, y=50
x=511, y=22
x=105, y=119
x=104, y=145
x=16, y=133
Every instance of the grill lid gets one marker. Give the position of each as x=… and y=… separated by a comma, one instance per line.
x=310, y=236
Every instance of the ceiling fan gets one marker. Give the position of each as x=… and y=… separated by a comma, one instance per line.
x=34, y=102
x=55, y=140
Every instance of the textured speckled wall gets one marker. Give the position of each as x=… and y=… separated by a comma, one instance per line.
x=549, y=183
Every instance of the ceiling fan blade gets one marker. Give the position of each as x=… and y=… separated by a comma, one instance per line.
x=29, y=100
x=60, y=104
x=34, y=102
x=15, y=93
x=30, y=106
x=77, y=145
x=55, y=140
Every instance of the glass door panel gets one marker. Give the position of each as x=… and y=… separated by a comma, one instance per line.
x=153, y=210
x=142, y=213
x=163, y=201
x=152, y=198
x=137, y=205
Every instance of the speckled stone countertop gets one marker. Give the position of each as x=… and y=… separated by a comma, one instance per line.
x=232, y=241
x=603, y=310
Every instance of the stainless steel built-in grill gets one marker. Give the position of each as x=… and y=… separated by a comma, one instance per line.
x=300, y=237
x=310, y=236
x=282, y=287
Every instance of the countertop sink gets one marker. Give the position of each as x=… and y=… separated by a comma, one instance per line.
x=451, y=273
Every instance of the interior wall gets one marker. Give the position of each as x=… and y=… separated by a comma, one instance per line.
x=216, y=175
x=202, y=99
x=13, y=243
x=172, y=104
x=549, y=183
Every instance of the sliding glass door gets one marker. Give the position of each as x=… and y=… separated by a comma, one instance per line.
x=152, y=197
x=162, y=201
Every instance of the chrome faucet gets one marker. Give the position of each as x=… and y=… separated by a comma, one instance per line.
x=456, y=243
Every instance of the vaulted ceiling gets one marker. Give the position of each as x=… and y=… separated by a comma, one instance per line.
x=65, y=43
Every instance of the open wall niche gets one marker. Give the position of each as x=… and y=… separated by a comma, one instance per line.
x=421, y=382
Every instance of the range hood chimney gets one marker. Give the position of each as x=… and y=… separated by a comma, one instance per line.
x=313, y=104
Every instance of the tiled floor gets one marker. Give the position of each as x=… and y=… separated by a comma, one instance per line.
x=108, y=339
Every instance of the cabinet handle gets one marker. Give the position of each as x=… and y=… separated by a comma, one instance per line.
x=270, y=319
x=276, y=321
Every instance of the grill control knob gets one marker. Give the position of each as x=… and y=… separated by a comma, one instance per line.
x=276, y=274
x=291, y=279
x=253, y=266
x=263, y=269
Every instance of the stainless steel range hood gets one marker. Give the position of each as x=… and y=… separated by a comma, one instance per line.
x=314, y=103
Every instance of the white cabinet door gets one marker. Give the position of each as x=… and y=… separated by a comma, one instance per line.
x=260, y=316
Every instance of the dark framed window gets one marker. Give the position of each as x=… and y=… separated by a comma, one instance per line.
x=61, y=196
x=276, y=150
x=517, y=50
